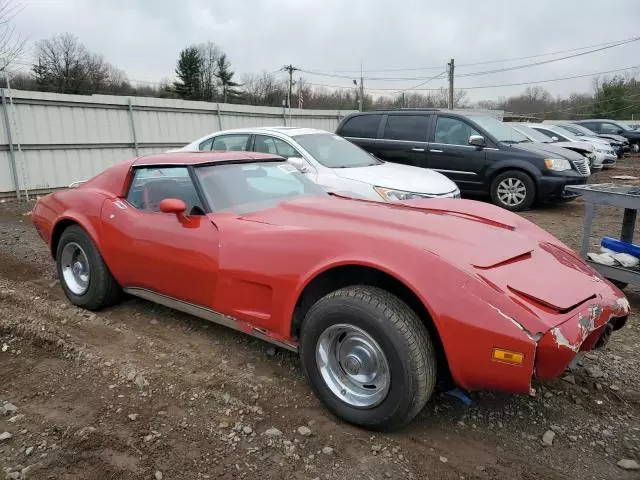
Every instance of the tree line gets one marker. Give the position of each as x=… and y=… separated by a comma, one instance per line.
x=203, y=72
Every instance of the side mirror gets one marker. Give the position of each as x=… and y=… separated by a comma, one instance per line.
x=555, y=139
x=173, y=205
x=620, y=131
x=477, y=141
x=299, y=163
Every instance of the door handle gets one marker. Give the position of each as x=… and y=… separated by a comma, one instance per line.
x=433, y=150
x=417, y=149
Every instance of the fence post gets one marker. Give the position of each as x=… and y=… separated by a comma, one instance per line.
x=12, y=155
x=133, y=129
x=219, y=117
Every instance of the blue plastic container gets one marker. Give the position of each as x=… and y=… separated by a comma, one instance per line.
x=620, y=247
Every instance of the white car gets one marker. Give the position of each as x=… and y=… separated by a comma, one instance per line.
x=336, y=164
x=604, y=153
x=584, y=148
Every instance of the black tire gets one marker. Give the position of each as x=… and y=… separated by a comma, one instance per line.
x=516, y=177
x=400, y=335
x=103, y=290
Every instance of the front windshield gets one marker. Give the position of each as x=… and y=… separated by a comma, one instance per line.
x=335, y=152
x=499, y=130
x=578, y=130
x=564, y=132
x=624, y=127
x=251, y=187
x=533, y=134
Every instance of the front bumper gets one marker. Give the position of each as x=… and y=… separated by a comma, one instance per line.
x=590, y=328
x=552, y=187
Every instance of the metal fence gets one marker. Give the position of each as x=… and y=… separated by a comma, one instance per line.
x=50, y=140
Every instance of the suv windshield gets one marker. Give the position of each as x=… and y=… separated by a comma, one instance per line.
x=251, y=187
x=499, y=130
x=335, y=152
x=533, y=134
x=624, y=127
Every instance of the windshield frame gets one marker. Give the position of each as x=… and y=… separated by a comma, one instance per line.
x=309, y=149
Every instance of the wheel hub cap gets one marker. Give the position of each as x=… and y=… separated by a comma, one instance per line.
x=353, y=365
x=75, y=268
x=512, y=191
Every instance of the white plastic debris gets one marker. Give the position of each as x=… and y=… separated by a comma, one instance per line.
x=626, y=260
x=606, y=250
x=602, y=258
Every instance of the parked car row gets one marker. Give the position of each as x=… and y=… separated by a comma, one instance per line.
x=408, y=154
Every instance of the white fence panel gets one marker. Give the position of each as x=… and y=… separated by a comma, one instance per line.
x=66, y=138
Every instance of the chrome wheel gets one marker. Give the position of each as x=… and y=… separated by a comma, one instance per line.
x=512, y=191
x=75, y=268
x=353, y=365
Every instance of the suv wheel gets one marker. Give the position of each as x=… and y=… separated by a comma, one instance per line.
x=368, y=357
x=635, y=148
x=513, y=190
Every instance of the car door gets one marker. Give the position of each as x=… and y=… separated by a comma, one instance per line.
x=449, y=152
x=362, y=129
x=404, y=139
x=173, y=255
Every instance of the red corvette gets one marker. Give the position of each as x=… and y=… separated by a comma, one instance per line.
x=379, y=300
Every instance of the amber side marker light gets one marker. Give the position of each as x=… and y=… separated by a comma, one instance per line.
x=508, y=356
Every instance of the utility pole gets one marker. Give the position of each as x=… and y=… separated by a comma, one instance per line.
x=290, y=68
x=451, y=69
x=361, y=89
x=300, y=93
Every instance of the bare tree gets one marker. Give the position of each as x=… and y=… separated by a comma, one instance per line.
x=11, y=43
x=209, y=54
x=64, y=65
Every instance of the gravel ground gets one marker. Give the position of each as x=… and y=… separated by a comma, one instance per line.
x=140, y=391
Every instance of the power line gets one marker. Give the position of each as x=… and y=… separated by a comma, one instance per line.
x=517, y=67
x=531, y=82
x=503, y=60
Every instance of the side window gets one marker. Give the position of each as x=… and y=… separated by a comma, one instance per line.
x=608, y=128
x=233, y=143
x=452, y=131
x=206, y=145
x=153, y=184
x=362, y=126
x=407, y=127
x=285, y=150
x=267, y=144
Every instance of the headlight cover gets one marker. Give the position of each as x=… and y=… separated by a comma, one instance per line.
x=557, y=164
x=391, y=195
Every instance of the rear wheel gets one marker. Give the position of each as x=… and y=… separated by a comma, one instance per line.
x=513, y=190
x=84, y=277
x=635, y=148
x=368, y=357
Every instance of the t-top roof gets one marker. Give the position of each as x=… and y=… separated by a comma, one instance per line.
x=198, y=158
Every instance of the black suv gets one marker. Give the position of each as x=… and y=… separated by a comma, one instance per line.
x=604, y=127
x=478, y=152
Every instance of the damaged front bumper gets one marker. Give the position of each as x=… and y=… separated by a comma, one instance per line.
x=590, y=328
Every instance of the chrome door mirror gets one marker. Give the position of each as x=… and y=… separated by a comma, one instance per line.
x=477, y=141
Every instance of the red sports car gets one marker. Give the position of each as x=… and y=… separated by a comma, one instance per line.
x=379, y=300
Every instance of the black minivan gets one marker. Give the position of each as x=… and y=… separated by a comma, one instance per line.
x=480, y=153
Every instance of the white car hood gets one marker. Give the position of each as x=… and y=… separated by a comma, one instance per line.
x=400, y=177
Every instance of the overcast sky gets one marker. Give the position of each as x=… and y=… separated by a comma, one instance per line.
x=144, y=37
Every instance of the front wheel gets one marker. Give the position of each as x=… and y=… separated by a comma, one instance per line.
x=84, y=276
x=513, y=190
x=368, y=357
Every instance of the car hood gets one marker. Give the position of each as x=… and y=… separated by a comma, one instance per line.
x=548, y=150
x=474, y=236
x=399, y=177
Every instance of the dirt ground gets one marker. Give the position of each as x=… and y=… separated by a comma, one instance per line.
x=141, y=392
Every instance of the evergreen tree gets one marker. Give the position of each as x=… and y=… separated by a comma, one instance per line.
x=225, y=79
x=189, y=71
